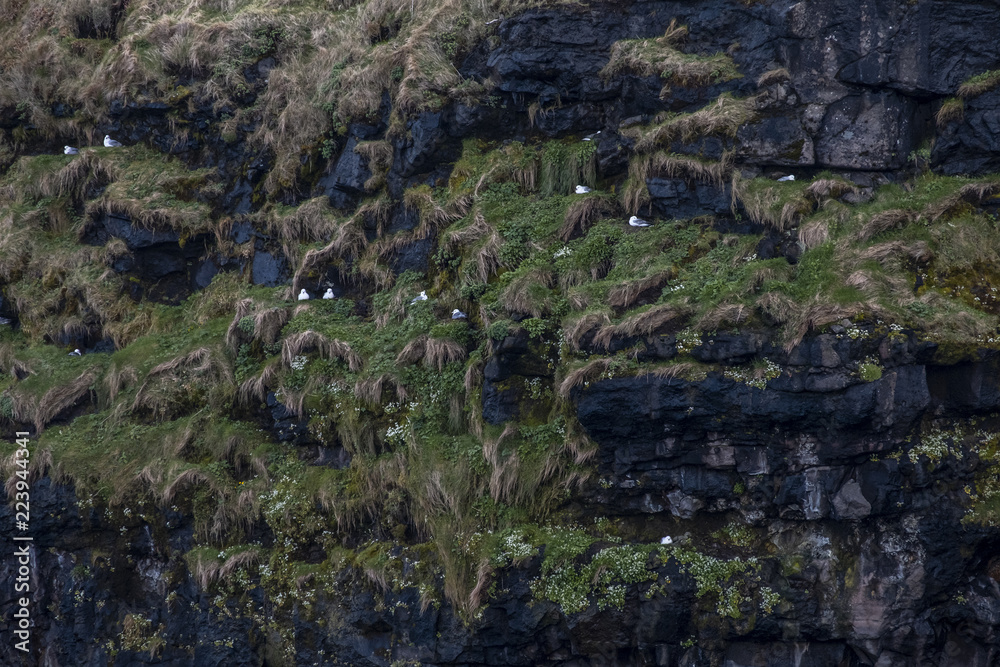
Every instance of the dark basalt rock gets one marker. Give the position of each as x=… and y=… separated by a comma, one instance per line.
x=120, y=226
x=426, y=133
x=268, y=269
x=287, y=426
x=776, y=140
x=350, y=172
x=867, y=131
x=972, y=146
x=414, y=256
x=164, y=269
x=516, y=360
x=681, y=199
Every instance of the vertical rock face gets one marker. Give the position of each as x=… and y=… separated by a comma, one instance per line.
x=863, y=545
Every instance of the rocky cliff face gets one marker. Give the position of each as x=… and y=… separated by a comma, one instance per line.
x=821, y=460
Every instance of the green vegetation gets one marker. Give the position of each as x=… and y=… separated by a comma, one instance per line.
x=332, y=63
x=979, y=84
x=433, y=498
x=661, y=56
x=952, y=110
x=399, y=388
x=869, y=370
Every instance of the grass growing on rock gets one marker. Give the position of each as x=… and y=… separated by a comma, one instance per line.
x=330, y=64
x=396, y=385
x=662, y=56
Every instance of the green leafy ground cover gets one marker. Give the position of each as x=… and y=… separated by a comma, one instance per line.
x=400, y=388
x=433, y=497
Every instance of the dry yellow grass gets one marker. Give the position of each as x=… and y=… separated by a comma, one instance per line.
x=762, y=203
x=61, y=398
x=640, y=324
x=308, y=341
x=582, y=213
x=574, y=332
x=255, y=388
x=334, y=62
x=434, y=352
x=952, y=111
x=771, y=77
x=529, y=293
x=884, y=222
x=967, y=197
x=582, y=375
x=625, y=295
x=723, y=117
x=660, y=56
x=824, y=188
x=347, y=242
x=979, y=84
x=726, y=314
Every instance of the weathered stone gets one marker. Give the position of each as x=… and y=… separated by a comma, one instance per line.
x=850, y=503
x=268, y=269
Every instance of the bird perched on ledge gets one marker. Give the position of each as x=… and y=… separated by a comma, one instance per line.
x=109, y=142
x=303, y=295
x=420, y=297
x=76, y=353
x=582, y=189
x=458, y=315
x=69, y=150
x=328, y=294
x=638, y=222
x=786, y=179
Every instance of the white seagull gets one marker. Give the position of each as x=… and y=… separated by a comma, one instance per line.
x=69, y=150
x=76, y=353
x=638, y=222
x=109, y=142
x=303, y=295
x=328, y=294
x=582, y=189
x=420, y=297
x=591, y=137
x=667, y=540
x=458, y=315
x=785, y=179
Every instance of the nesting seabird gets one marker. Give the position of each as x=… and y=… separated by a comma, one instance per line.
x=109, y=142
x=69, y=150
x=591, y=137
x=786, y=179
x=667, y=540
x=420, y=297
x=582, y=189
x=303, y=295
x=458, y=315
x=638, y=222
x=328, y=294
x=76, y=353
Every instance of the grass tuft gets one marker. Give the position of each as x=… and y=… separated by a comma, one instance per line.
x=979, y=84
